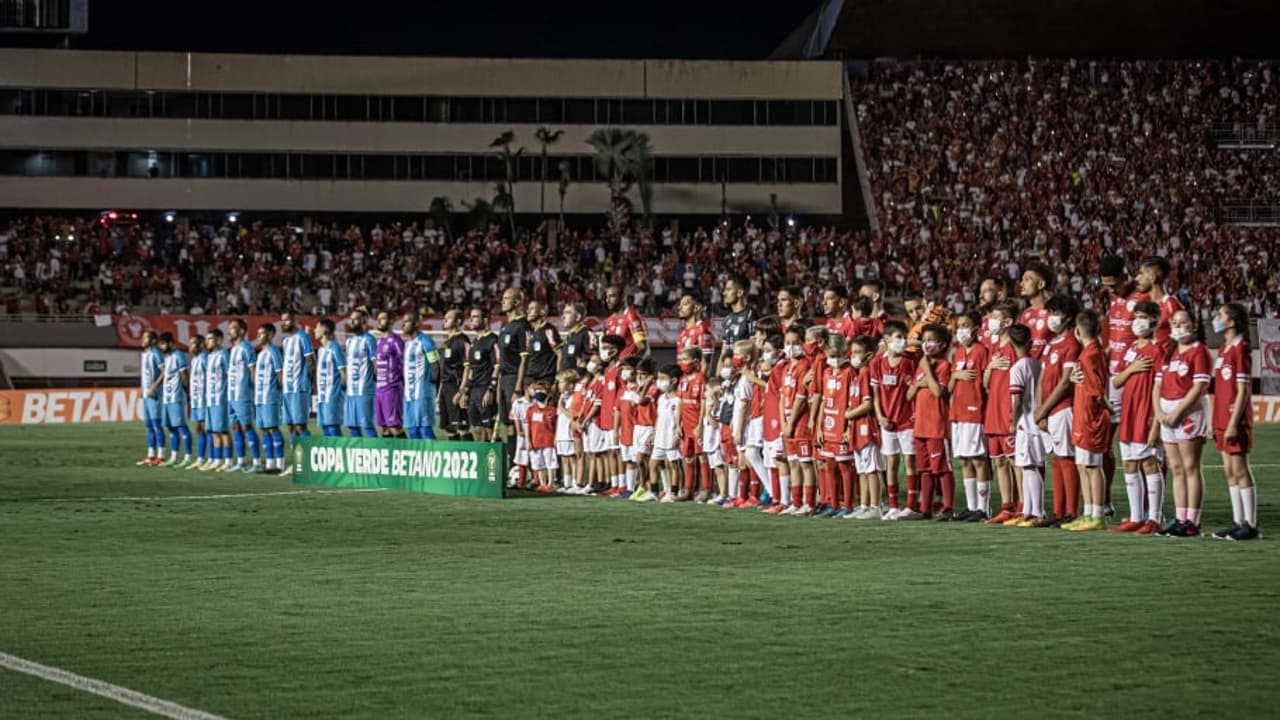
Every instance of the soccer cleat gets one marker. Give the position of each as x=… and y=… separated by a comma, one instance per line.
x=624, y=495
x=1073, y=524
x=1149, y=527
x=1244, y=532
x=978, y=516
x=668, y=498
x=1000, y=518
x=945, y=515
x=1226, y=533
x=751, y=503
x=1126, y=526
x=803, y=510
x=1033, y=522
x=651, y=497
x=143, y=462
x=909, y=514
x=789, y=510
x=776, y=509
x=1171, y=528
x=545, y=488
x=638, y=495
x=1188, y=530
x=1014, y=520
x=890, y=514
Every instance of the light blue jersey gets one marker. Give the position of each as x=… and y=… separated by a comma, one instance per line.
x=361, y=351
x=217, y=417
x=172, y=389
x=297, y=348
x=240, y=358
x=266, y=381
x=197, y=382
x=419, y=357
x=152, y=366
x=329, y=394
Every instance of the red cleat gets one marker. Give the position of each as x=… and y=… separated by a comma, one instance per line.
x=734, y=503
x=751, y=503
x=1000, y=519
x=776, y=509
x=1126, y=526
x=1149, y=527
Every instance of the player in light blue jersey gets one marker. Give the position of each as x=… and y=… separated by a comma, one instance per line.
x=173, y=398
x=299, y=361
x=241, y=364
x=421, y=377
x=152, y=365
x=268, y=397
x=216, y=412
x=196, y=375
x=361, y=354
x=331, y=376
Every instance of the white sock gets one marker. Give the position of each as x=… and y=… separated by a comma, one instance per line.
x=1237, y=504
x=984, y=496
x=1133, y=488
x=1089, y=510
x=784, y=487
x=1033, y=492
x=666, y=481
x=733, y=482
x=186, y=458
x=630, y=474
x=567, y=481
x=970, y=494
x=1249, y=499
x=1155, y=497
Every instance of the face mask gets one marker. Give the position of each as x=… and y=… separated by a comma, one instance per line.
x=592, y=367
x=833, y=362
x=856, y=361
x=1179, y=333
x=1141, y=326
x=809, y=347
x=664, y=385
x=540, y=397
x=1055, y=323
x=767, y=357
x=931, y=347
x=737, y=362
x=625, y=374
x=726, y=373
x=897, y=345
x=1219, y=325
x=606, y=355
x=964, y=335
x=794, y=351
x=994, y=326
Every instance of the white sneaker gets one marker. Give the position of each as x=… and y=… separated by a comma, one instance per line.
x=789, y=510
x=803, y=510
x=892, y=514
x=668, y=498
x=651, y=497
x=856, y=513
x=908, y=514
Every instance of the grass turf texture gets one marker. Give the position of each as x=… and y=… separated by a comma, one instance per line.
x=384, y=605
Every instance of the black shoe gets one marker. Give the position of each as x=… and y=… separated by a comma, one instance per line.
x=962, y=516
x=1059, y=522
x=1189, y=530
x=945, y=516
x=1173, y=529
x=1108, y=510
x=1227, y=532
x=977, y=517
x=1244, y=531
x=271, y=471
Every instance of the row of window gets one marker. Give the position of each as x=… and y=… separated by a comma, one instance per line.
x=414, y=108
x=354, y=166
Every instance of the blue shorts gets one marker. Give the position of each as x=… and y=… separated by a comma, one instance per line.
x=330, y=412
x=419, y=413
x=268, y=416
x=216, y=419
x=241, y=413
x=297, y=408
x=151, y=410
x=197, y=414
x=175, y=415
x=359, y=411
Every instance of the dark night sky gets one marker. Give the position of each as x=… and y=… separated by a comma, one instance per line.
x=493, y=28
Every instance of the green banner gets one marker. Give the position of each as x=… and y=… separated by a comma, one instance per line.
x=469, y=469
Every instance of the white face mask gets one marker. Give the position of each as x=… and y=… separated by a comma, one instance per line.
x=726, y=373
x=794, y=351
x=663, y=385
x=964, y=335
x=606, y=355
x=856, y=361
x=625, y=374
x=592, y=367
x=994, y=325
x=767, y=357
x=897, y=345
x=834, y=362
x=1179, y=333
x=1141, y=326
x=1055, y=323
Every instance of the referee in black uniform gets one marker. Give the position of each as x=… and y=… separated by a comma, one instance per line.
x=544, y=342
x=578, y=343
x=453, y=363
x=480, y=378
x=513, y=349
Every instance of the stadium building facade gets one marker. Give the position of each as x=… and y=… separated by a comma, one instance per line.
x=192, y=131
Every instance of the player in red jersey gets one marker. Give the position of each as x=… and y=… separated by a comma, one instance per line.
x=797, y=432
x=815, y=348
x=1090, y=421
x=998, y=417
x=891, y=375
x=1139, y=435
x=1233, y=421
x=1181, y=386
x=625, y=322
x=1119, y=298
x=690, y=389
x=1053, y=416
x=835, y=300
x=929, y=392
x=1036, y=288
x=993, y=290
x=1152, y=275
x=838, y=394
x=774, y=448
x=865, y=431
x=541, y=421
x=697, y=332
x=967, y=412
x=873, y=320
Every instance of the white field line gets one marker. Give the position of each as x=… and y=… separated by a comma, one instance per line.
x=122, y=695
x=226, y=496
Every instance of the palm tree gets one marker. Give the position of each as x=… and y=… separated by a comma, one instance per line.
x=546, y=138
x=566, y=177
x=441, y=212
x=480, y=213
x=509, y=160
x=503, y=203
x=624, y=158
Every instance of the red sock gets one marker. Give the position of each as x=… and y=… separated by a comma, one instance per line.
x=1059, y=489
x=690, y=476
x=846, y=484
x=1071, y=481
x=824, y=485
x=522, y=475
x=775, y=485
x=755, y=486
x=926, y=493
x=948, y=490
x=892, y=491
x=913, y=490
x=795, y=496
x=705, y=468
x=808, y=491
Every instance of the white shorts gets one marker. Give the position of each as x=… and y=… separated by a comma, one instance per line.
x=1087, y=458
x=1135, y=451
x=1193, y=427
x=565, y=448
x=755, y=432
x=772, y=451
x=1057, y=439
x=968, y=440
x=628, y=453
x=1028, y=446
x=543, y=459
x=665, y=454
x=595, y=440
x=897, y=442
x=868, y=460
x=715, y=458
x=522, y=452
x=643, y=439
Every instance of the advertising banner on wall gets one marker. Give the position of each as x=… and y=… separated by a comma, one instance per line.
x=1269, y=354
x=469, y=469
x=70, y=405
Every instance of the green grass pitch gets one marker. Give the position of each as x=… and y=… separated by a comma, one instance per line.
x=390, y=605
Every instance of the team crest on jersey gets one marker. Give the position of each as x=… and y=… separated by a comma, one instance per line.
x=1130, y=305
x=829, y=423
x=1226, y=372
x=1183, y=369
x=537, y=346
x=1040, y=324
x=506, y=339
x=1053, y=358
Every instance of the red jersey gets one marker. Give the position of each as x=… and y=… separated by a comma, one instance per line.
x=891, y=383
x=690, y=391
x=872, y=327
x=1090, y=419
x=757, y=401
x=772, y=398
x=699, y=335
x=608, y=391
x=1184, y=368
x=541, y=420
x=1037, y=318
x=595, y=399
x=842, y=325
x=630, y=325
x=793, y=388
x=1169, y=306
x=580, y=403
x=984, y=334
x=626, y=416
x=865, y=430
x=1232, y=376
x=999, y=415
x=930, y=410
x=968, y=397
x=647, y=414
x=1136, y=413
x=1057, y=362
x=1120, y=329
x=839, y=394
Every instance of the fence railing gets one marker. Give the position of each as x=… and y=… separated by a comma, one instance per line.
x=1249, y=214
x=34, y=317
x=1239, y=137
